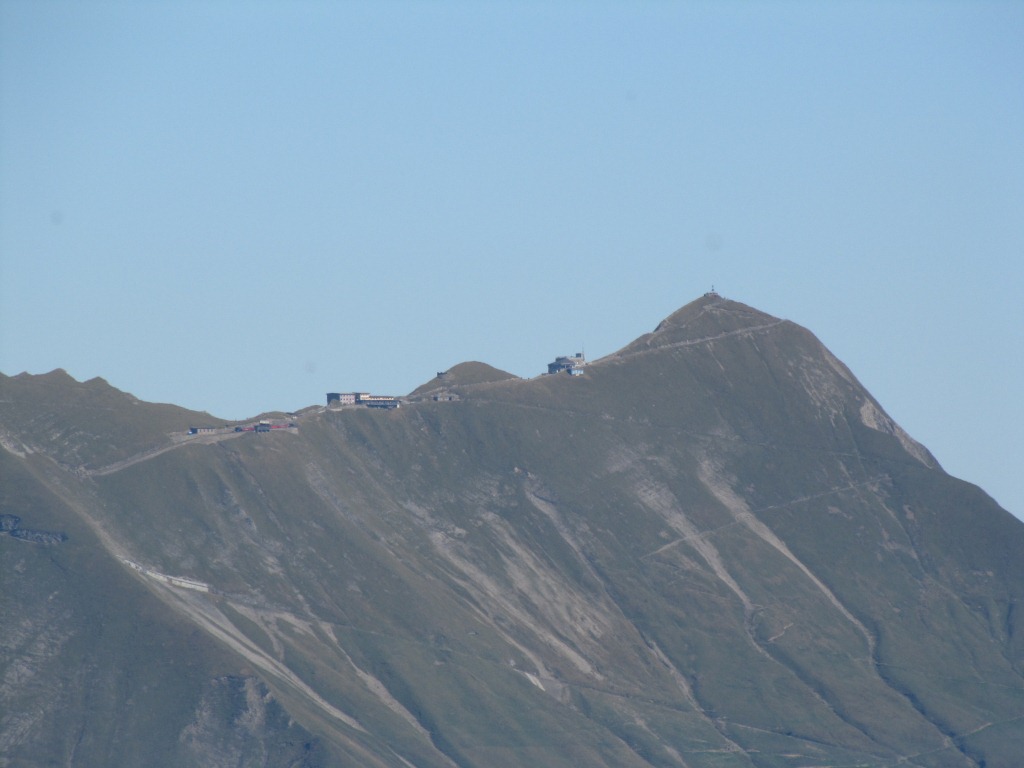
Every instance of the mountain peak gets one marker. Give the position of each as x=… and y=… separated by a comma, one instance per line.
x=702, y=319
x=715, y=305
x=462, y=375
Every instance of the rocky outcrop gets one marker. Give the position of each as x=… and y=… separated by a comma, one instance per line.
x=11, y=525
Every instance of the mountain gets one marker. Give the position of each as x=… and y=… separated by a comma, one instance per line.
x=713, y=548
x=461, y=375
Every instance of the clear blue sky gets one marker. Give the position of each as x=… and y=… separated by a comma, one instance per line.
x=237, y=207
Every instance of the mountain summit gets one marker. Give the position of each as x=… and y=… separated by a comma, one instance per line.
x=712, y=548
x=707, y=317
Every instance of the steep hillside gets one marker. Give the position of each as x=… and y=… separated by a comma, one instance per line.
x=95, y=671
x=714, y=548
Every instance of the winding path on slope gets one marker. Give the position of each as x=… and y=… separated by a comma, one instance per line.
x=154, y=452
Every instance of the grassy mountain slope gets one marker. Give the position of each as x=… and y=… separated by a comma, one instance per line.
x=462, y=375
x=85, y=425
x=94, y=671
x=712, y=549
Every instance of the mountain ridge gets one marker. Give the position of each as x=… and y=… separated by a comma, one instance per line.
x=712, y=548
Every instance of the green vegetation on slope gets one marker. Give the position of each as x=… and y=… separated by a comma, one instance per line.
x=711, y=549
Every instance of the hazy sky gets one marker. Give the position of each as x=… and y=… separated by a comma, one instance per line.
x=237, y=207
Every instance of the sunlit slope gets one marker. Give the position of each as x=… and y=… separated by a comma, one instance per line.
x=712, y=549
x=85, y=425
x=459, y=376
x=95, y=671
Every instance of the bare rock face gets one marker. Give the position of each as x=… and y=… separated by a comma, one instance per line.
x=715, y=548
